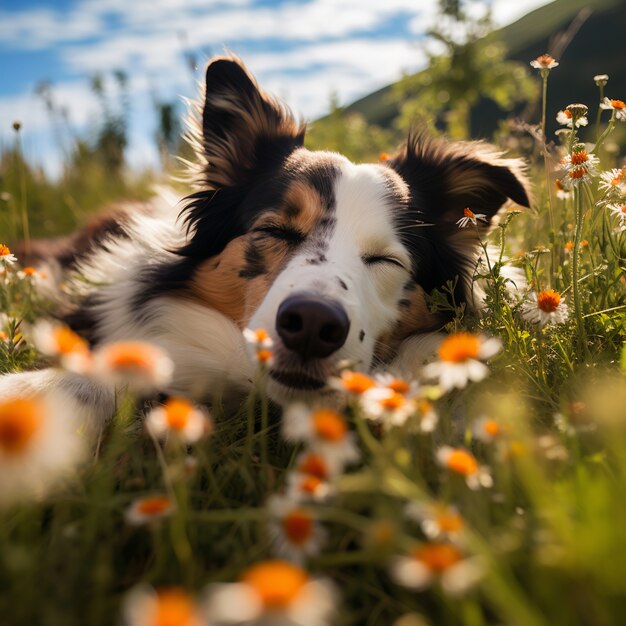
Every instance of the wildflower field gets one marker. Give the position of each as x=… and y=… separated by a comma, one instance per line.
x=489, y=489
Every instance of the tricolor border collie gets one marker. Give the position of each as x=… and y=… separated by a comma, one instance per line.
x=334, y=259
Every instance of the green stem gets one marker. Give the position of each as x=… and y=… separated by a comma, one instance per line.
x=23, y=199
x=264, y=426
x=578, y=229
x=546, y=166
x=605, y=134
x=599, y=113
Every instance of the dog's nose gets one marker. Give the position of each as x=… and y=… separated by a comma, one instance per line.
x=312, y=327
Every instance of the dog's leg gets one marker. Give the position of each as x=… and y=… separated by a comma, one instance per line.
x=92, y=402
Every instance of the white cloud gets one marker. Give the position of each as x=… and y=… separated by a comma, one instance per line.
x=39, y=29
x=325, y=48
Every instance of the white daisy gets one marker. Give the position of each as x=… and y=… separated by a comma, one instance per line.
x=387, y=406
x=293, y=530
x=141, y=366
x=261, y=345
x=565, y=118
x=580, y=165
x=60, y=342
x=545, y=307
x=437, y=562
x=460, y=359
x=544, y=62
x=469, y=217
x=5, y=255
x=165, y=607
x=149, y=509
x=436, y=519
x=612, y=182
x=39, y=445
x=272, y=592
x=617, y=106
x=180, y=418
x=324, y=430
x=563, y=192
x=487, y=430
x=461, y=462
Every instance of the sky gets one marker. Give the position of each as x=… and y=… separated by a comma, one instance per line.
x=300, y=50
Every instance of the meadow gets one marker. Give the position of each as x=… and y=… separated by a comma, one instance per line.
x=488, y=490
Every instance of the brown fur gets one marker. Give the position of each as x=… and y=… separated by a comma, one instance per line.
x=218, y=283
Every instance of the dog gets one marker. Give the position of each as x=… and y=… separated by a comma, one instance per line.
x=333, y=259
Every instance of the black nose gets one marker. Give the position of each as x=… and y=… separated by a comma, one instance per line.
x=312, y=327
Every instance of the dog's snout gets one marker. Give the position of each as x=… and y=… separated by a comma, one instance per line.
x=311, y=327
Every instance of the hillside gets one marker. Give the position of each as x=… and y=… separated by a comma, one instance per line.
x=596, y=48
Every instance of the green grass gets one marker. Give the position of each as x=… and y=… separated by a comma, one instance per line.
x=548, y=537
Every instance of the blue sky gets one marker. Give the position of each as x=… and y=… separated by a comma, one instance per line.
x=301, y=50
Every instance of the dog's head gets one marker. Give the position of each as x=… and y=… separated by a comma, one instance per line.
x=333, y=259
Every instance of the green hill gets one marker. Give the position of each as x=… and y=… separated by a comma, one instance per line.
x=595, y=49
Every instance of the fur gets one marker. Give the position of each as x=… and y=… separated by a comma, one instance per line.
x=269, y=219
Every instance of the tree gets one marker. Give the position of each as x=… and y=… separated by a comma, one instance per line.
x=466, y=62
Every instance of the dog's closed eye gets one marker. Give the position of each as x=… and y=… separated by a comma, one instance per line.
x=375, y=259
x=280, y=231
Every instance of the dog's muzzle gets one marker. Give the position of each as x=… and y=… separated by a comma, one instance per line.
x=312, y=327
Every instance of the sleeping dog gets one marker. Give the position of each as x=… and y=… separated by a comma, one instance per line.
x=333, y=259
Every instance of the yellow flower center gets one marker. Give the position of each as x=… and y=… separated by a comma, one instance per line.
x=174, y=607
x=545, y=60
x=263, y=355
x=314, y=465
x=579, y=172
x=462, y=462
x=130, y=356
x=568, y=113
x=3, y=336
x=468, y=213
x=29, y=271
x=491, y=427
x=329, y=425
x=448, y=520
x=623, y=209
x=424, y=406
x=569, y=246
x=310, y=484
x=177, y=413
x=459, y=347
x=297, y=526
x=398, y=385
x=579, y=157
x=393, y=402
x=383, y=156
x=437, y=557
x=356, y=382
x=548, y=301
x=68, y=342
x=4, y=250
x=277, y=583
x=154, y=506
x=618, y=104
x=20, y=419
x=261, y=335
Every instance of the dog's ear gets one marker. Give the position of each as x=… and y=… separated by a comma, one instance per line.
x=446, y=178
x=244, y=131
